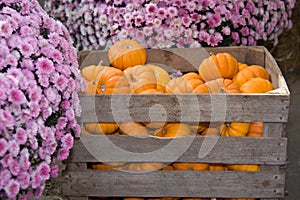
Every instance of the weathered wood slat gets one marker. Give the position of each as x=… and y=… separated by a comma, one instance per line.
x=228, y=150
x=185, y=108
x=174, y=183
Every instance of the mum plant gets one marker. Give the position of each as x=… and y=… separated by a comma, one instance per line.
x=39, y=81
x=96, y=24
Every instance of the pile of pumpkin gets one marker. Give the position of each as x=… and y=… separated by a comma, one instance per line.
x=130, y=74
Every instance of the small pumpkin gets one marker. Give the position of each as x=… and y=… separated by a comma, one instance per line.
x=200, y=127
x=154, y=125
x=242, y=167
x=162, y=76
x=112, y=81
x=256, y=85
x=255, y=129
x=140, y=78
x=190, y=166
x=100, y=128
x=152, y=91
x=193, y=79
x=250, y=72
x=219, y=85
x=235, y=129
x=221, y=65
x=217, y=167
x=178, y=86
x=173, y=130
x=100, y=166
x=90, y=73
x=242, y=66
x=126, y=53
x=151, y=166
x=133, y=128
x=211, y=132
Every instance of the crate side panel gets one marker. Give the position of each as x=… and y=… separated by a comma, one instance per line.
x=227, y=150
x=184, y=108
x=175, y=184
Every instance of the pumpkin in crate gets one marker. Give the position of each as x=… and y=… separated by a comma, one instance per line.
x=100, y=128
x=173, y=130
x=133, y=128
x=162, y=76
x=242, y=66
x=146, y=166
x=242, y=167
x=193, y=79
x=235, y=129
x=190, y=166
x=112, y=81
x=257, y=85
x=217, y=167
x=250, y=72
x=200, y=127
x=221, y=65
x=152, y=91
x=90, y=73
x=126, y=53
x=219, y=85
x=140, y=78
x=255, y=129
x=211, y=131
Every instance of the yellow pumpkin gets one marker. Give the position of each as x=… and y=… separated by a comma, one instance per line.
x=221, y=65
x=100, y=128
x=235, y=129
x=140, y=78
x=256, y=85
x=190, y=166
x=126, y=53
x=173, y=130
x=162, y=76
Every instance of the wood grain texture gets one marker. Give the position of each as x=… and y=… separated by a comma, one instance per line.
x=185, y=108
x=174, y=183
x=228, y=150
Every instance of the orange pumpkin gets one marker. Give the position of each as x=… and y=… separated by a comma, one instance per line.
x=173, y=130
x=200, y=127
x=112, y=81
x=126, y=53
x=154, y=125
x=140, y=78
x=100, y=166
x=100, y=128
x=144, y=166
x=178, y=86
x=90, y=73
x=217, y=167
x=256, y=85
x=221, y=65
x=250, y=72
x=235, y=129
x=211, y=132
x=152, y=91
x=193, y=79
x=168, y=167
x=242, y=167
x=255, y=129
x=190, y=166
x=162, y=76
x=242, y=66
x=133, y=128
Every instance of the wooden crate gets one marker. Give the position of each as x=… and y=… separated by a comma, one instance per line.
x=269, y=151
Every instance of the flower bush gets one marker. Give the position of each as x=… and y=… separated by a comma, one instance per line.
x=173, y=23
x=39, y=84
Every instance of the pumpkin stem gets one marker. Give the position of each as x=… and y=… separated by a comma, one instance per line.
x=222, y=90
x=132, y=78
x=227, y=124
x=102, y=88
